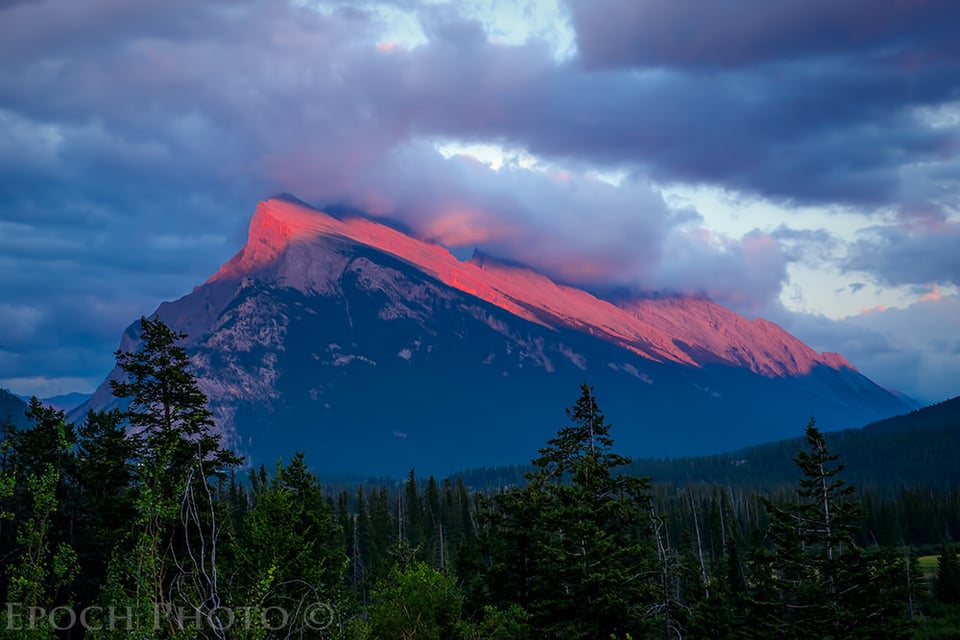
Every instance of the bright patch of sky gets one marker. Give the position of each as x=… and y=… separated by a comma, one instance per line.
x=508, y=23
x=941, y=116
x=492, y=155
x=497, y=156
x=817, y=286
x=523, y=20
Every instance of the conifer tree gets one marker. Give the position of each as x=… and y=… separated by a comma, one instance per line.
x=383, y=532
x=177, y=452
x=824, y=584
x=167, y=413
x=102, y=478
x=575, y=539
x=6, y=481
x=291, y=541
x=411, y=515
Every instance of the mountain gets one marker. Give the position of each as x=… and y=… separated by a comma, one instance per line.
x=12, y=409
x=911, y=450
x=67, y=401
x=64, y=402
x=936, y=417
x=375, y=352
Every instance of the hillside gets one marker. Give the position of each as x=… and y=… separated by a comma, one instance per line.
x=943, y=415
x=916, y=449
x=12, y=408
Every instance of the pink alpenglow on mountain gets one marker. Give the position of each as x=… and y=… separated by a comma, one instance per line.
x=686, y=330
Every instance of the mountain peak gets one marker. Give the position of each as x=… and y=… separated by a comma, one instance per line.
x=275, y=224
x=685, y=330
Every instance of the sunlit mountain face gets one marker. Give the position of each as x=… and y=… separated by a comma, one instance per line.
x=375, y=352
x=685, y=330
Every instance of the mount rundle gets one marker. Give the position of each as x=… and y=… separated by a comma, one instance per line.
x=376, y=352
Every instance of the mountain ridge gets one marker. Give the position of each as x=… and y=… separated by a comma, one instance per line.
x=651, y=327
x=379, y=352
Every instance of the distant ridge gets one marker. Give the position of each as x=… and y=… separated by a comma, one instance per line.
x=918, y=449
x=12, y=408
x=942, y=415
x=64, y=402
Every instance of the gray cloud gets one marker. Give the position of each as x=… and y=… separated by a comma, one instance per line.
x=746, y=32
x=915, y=350
x=903, y=254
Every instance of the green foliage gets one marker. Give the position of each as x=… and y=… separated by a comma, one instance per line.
x=416, y=602
x=512, y=623
x=942, y=622
x=102, y=497
x=6, y=482
x=289, y=547
x=167, y=413
x=177, y=452
x=44, y=566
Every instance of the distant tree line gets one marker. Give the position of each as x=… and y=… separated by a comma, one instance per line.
x=139, y=524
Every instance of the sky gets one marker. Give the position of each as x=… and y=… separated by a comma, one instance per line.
x=796, y=160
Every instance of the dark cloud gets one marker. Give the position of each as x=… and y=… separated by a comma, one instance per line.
x=273, y=86
x=818, y=132
x=689, y=33
x=920, y=251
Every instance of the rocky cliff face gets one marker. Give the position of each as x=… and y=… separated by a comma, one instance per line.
x=374, y=352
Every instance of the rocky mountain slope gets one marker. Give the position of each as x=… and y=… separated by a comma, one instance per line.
x=374, y=351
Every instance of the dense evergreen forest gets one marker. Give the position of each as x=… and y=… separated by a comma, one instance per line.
x=142, y=524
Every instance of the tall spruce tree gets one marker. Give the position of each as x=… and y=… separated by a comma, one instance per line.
x=820, y=583
x=576, y=537
x=177, y=453
x=167, y=412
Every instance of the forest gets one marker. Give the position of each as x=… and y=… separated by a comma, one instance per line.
x=143, y=523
